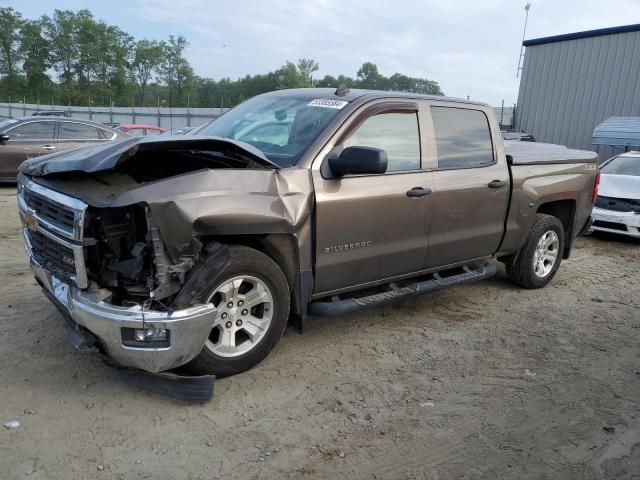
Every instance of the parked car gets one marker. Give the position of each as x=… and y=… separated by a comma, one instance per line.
x=28, y=137
x=617, y=209
x=196, y=250
x=51, y=113
x=140, y=130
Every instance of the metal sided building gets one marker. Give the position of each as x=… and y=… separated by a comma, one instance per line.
x=571, y=83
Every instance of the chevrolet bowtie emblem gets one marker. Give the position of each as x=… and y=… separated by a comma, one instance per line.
x=31, y=221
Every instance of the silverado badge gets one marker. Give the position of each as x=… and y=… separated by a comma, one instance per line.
x=346, y=246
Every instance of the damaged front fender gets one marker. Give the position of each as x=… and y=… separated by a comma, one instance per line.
x=206, y=203
x=192, y=196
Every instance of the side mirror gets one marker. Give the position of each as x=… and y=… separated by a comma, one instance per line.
x=4, y=138
x=358, y=161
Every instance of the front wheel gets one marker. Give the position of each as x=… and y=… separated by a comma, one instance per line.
x=539, y=259
x=251, y=296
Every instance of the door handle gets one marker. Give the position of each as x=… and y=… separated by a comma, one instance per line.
x=497, y=184
x=417, y=192
x=48, y=147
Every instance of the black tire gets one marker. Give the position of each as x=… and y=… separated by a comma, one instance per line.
x=520, y=269
x=245, y=261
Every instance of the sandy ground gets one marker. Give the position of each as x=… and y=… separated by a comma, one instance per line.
x=483, y=381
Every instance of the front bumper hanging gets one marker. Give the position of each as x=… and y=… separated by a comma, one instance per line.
x=187, y=329
x=133, y=336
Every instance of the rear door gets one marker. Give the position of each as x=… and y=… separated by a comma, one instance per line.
x=26, y=140
x=367, y=227
x=470, y=187
x=72, y=135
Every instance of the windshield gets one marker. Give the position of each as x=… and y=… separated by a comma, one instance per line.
x=622, y=166
x=282, y=127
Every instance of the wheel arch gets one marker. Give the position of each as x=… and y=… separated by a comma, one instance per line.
x=565, y=211
x=282, y=249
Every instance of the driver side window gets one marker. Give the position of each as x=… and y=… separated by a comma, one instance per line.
x=396, y=133
x=33, y=131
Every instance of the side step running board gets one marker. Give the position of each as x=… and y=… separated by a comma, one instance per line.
x=437, y=282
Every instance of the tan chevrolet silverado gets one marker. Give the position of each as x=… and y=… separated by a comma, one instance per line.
x=196, y=250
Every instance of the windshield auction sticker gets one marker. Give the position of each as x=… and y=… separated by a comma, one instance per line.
x=327, y=103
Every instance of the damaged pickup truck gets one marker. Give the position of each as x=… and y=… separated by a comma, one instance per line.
x=195, y=251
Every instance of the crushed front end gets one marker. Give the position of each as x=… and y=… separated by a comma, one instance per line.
x=108, y=272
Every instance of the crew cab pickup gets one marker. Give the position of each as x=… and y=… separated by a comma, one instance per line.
x=196, y=250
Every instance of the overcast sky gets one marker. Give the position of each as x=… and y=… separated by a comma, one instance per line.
x=470, y=47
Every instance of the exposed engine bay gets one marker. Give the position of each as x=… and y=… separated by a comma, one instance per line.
x=126, y=254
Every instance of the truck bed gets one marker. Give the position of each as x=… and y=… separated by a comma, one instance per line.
x=528, y=153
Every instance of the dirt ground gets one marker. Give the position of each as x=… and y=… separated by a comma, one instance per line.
x=481, y=381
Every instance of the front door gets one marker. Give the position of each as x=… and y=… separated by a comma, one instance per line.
x=26, y=140
x=470, y=188
x=367, y=227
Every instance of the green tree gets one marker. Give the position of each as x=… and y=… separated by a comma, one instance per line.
x=147, y=58
x=113, y=63
x=328, y=81
x=306, y=67
x=100, y=63
x=36, y=51
x=88, y=35
x=10, y=53
x=403, y=83
x=64, y=48
x=175, y=70
x=369, y=77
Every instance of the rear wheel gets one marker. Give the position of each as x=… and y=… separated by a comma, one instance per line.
x=539, y=259
x=251, y=296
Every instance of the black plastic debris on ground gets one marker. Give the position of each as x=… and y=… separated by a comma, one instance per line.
x=187, y=388
x=195, y=389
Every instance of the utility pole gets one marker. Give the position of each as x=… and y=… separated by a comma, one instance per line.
x=524, y=31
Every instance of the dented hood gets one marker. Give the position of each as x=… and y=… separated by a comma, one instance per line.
x=108, y=155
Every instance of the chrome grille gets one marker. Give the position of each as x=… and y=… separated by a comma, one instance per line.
x=53, y=212
x=53, y=230
x=53, y=256
x=58, y=213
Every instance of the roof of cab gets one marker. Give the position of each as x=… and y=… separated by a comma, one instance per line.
x=352, y=94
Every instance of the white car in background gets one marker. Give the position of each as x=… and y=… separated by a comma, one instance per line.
x=617, y=209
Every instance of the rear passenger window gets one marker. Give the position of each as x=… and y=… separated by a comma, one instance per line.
x=395, y=133
x=463, y=138
x=78, y=131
